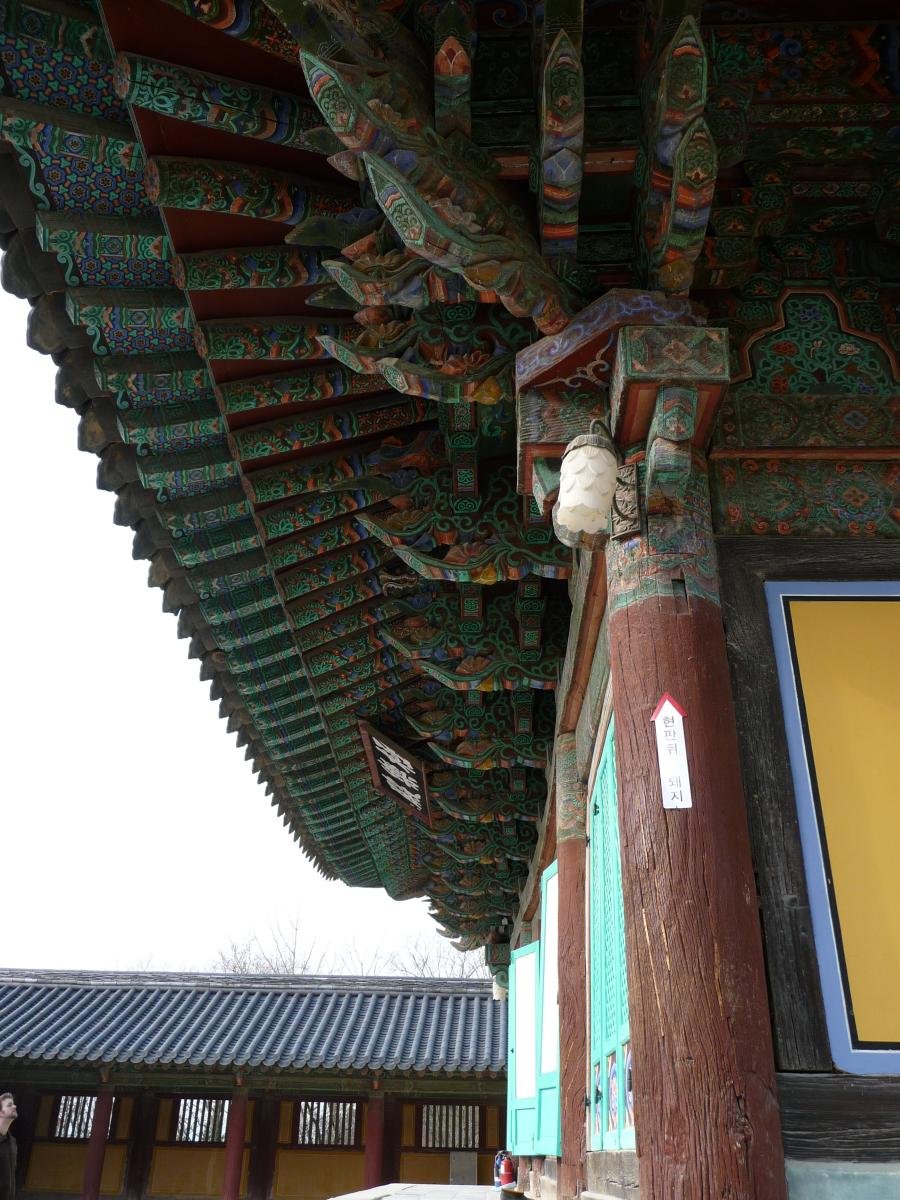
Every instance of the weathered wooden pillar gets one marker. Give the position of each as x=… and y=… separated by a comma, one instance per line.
x=704, y=1083
x=263, y=1147
x=373, y=1169
x=393, y=1137
x=235, y=1134
x=570, y=853
x=140, y=1145
x=96, y=1148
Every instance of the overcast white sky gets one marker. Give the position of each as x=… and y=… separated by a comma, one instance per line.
x=133, y=834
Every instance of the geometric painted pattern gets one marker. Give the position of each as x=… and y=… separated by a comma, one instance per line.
x=75, y=183
x=45, y=74
x=790, y=496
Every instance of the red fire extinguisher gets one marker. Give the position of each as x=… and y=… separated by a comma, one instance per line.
x=507, y=1171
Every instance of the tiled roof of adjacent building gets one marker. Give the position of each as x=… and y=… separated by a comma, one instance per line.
x=445, y=1026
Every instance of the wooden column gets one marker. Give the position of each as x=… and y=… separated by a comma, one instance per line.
x=96, y=1149
x=570, y=851
x=393, y=1136
x=373, y=1169
x=263, y=1147
x=704, y=1083
x=140, y=1145
x=235, y=1134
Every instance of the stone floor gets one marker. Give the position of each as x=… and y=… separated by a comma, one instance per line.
x=424, y=1191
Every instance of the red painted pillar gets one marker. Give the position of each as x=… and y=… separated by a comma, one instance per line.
x=706, y=1107
x=96, y=1150
x=373, y=1169
x=572, y=965
x=235, y=1135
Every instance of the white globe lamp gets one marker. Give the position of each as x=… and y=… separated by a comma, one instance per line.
x=587, y=483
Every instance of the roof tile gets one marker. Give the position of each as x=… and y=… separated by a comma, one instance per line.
x=281, y=1022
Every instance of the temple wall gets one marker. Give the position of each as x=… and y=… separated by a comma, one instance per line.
x=189, y=1171
x=312, y=1175
x=143, y=1158
x=434, y=1167
x=58, y=1170
x=839, y=1102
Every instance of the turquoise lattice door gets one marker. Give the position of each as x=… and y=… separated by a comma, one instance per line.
x=612, y=1097
x=521, y=1061
x=549, y=1126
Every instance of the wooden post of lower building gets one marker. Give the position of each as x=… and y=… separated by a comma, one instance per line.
x=140, y=1145
x=235, y=1135
x=263, y=1147
x=570, y=852
x=393, y=1138
x=96, y=1148
x=706, y=1109
x=373, y=1169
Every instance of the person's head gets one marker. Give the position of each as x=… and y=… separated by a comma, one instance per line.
x=8, y=1111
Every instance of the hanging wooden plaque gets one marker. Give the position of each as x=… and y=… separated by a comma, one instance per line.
x=396, y=773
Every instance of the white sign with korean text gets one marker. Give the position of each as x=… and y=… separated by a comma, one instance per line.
x=671, y=752
x=397, y=772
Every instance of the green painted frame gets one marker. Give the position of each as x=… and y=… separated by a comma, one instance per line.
x=521, y=1110
x=548, y=1137
x=610, y=1062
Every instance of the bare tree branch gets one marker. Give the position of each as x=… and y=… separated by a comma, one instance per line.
x=367, y=961
x=283, y=953
x=438, y=960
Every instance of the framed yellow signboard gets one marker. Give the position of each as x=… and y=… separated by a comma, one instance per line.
x=837, y=648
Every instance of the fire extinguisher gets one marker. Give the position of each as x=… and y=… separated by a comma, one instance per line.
x=507, y=1172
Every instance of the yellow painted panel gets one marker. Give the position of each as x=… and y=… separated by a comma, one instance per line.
x=163, y=1120
x=409, y=1125
x=486, y=1170
x=56, y=1167
x=424, y=1168
x=848, y=654
x=315, y=1174
x=190, y=1171
x=59, y=1167
x=124, y=1109
x=285, y=1119
x=112, y=1179
x=45, y=1111
x=492, y=1127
